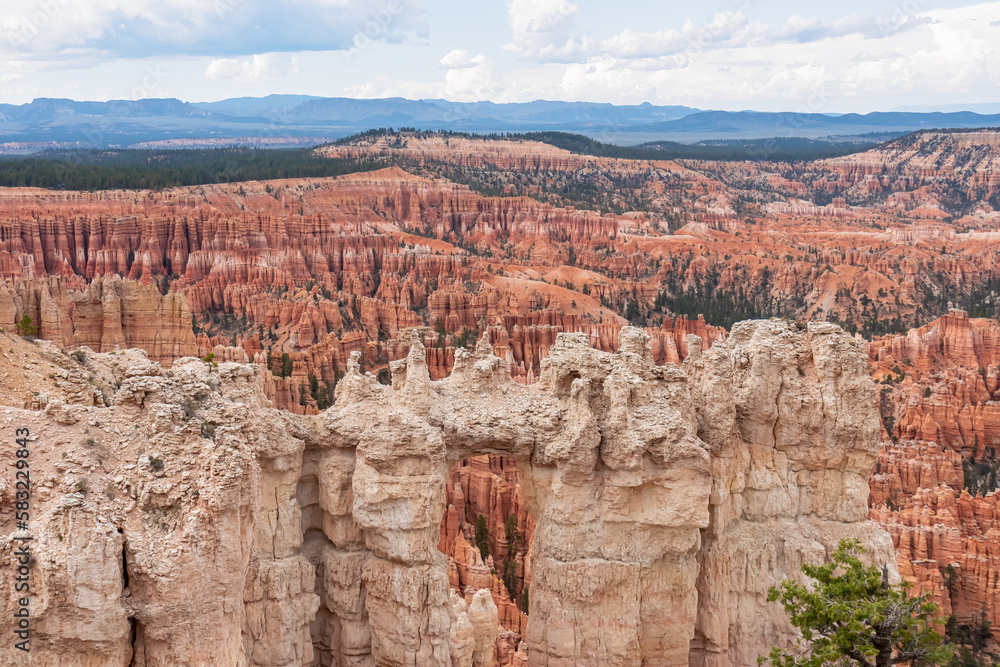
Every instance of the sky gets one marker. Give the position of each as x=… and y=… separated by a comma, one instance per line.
x=768, y=55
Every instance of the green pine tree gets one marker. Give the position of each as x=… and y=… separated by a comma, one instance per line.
x=851, y=615
x=26, y=327
x=482, y=536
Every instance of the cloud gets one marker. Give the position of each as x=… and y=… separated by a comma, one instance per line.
x=543, y=30
x=259, y=68
x=804, y=30
x=146, y=28
x=469, y=79
x=457, y=59
x=724, y=27
x=732, y=30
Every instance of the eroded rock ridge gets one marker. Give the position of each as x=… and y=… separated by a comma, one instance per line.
x=190, y=523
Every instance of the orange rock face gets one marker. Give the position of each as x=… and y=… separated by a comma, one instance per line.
x=319, y=268
x=945, y=430
x=109, y=314
x=489, y=486
x=947, y=545
x=905, y=468
x=948, y=395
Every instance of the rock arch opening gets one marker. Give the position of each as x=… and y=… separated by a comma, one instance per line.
x=486, y=533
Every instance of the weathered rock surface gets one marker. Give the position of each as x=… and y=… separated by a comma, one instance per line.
x=789, y=473
x=943, y=434
x=190, y=524
x=109, y=314
x=903, y=468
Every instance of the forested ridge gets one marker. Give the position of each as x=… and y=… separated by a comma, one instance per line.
x=159, y=169
x=776, y=149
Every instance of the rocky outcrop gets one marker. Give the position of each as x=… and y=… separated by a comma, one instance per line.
x=945, y=544
x=469, y=152
x=936, y=161
x=206, y=528
x=903, y=468
x=950, y=392
x=109, y=314
x=789, y=473
x=950, y=341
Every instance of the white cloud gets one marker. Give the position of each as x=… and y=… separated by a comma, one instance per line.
x=143, y=28
x=224, y=68
x=259, y=68
x=457, y=59
x=732, y=30
x=723, y=29
x=365, y=91
x=469, y=79
x=802, y=30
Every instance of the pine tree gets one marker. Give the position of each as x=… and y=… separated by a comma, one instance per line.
x=482, y=536
x=25, y=327
x=851, y=615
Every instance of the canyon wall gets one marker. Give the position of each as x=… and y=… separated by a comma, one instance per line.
x=108, y=314
x=933, y=488
x=516, y=238
x=189, y=523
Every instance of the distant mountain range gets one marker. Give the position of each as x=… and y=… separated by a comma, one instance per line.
x=302, y=119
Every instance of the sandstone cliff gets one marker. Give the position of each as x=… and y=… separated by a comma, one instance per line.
x=189, y=524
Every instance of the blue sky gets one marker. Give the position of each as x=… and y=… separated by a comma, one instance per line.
x=853, y=55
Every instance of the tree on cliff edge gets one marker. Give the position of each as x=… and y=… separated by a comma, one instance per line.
x=850, y=615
